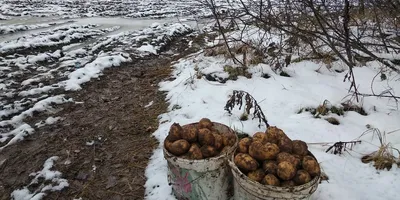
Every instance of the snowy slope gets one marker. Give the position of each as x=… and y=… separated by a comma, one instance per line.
x=281, y=98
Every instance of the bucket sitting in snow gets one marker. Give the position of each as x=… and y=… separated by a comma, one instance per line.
x=206, y=179
x=246, y=189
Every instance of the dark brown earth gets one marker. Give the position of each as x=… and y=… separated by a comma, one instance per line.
x=112, y=113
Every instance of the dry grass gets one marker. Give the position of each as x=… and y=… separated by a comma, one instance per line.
x=327, y=108
x=383, y=158
x=250, y=55
x=235, y=72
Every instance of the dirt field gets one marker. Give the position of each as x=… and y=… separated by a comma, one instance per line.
x=104, y=140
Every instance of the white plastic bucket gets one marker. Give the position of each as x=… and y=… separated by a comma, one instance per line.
x=206, y=179
x=246, y=189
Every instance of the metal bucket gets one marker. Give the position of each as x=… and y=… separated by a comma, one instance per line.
x=246, y=189
x=206, y=179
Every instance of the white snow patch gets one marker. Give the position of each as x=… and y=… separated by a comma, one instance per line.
x=149, y=104
x=93, y=70
x=22, y=129
x=48, y=121
x=57, y=183
x=90, y=143
x=34, y=91
x=148, y=48
x=43, y=105
x=2, y=17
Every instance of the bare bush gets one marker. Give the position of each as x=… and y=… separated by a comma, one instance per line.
x=353, y=32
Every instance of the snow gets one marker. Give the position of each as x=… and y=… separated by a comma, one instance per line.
x=130, y=8
x=148, y=48
x=93, y=70
x=22, y=129
x=90, y=143
x=2, y=17
x=281, y=98
x=65, y=34
x=7, y=29
x=149, y=104
x=48, y=121
x=57, y=183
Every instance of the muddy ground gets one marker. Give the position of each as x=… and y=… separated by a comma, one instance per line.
x=109, y=112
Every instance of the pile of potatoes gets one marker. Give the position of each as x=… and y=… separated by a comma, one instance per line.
x=272, y=158
x=198, y=141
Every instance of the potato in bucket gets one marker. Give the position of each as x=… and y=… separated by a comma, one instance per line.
x=199, y=162
x=291, y=171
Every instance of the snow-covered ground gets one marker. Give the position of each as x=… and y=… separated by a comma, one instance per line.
x=92, y=8
x=281, y=98
x=41, y=58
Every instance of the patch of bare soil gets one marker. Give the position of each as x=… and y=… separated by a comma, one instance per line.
x=104, y=142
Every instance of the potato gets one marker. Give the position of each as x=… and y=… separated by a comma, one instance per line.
x=261, y=137
x=299, y=159
x=285, y=144
x=175, y=132
x=245, y=162
x=286, y=170
x=218, y=141
x=271, y=179
x=205, y=123
x=272, y=150
x=300, y=148
x=243, y=146
x=262, y=151
x=302, y=177
x=205, y=137
x=270, y=166
x=290, y=183
x=283, y=156
x=229, y=139
x=168, y=143
x=179, y=147
x=256, y=175
x=208, y=151
x=195, y=152
x=190, y=133
x=311, y=166
x=297, y=162
x=274, y=134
